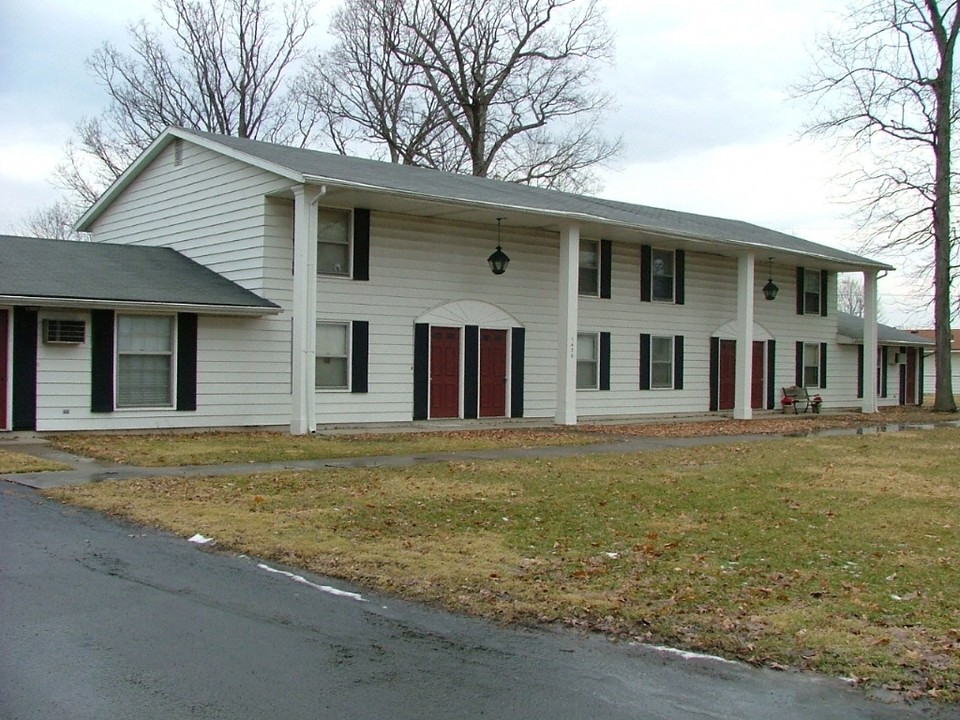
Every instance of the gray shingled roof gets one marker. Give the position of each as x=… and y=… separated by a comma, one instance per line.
x=851, y=326
x=323, y=167
x=88, y=272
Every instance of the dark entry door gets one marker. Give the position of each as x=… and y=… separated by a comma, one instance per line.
x=4, y=363
x=756, y=385
x=493, y=373
x=728, y=374
x=444, y=372
x=911, y=384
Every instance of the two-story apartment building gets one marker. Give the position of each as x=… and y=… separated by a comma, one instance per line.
x=238, y=283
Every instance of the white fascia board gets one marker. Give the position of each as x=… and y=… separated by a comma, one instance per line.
x=82, y=304
x=578, y=218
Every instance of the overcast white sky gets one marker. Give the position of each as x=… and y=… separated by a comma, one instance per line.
x=703, y=96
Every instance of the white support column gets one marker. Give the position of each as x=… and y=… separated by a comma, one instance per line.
x=303, y=411
x=567, y=326
x=869, y=342
x=745, y=292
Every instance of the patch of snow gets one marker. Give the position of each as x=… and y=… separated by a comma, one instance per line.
x=200, y=539
x=322, y=588
x=687, y=655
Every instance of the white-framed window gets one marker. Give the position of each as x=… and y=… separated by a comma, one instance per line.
x=588, y=361
x=333, y=356
x=661, y=362
x=145, y=348
x=811, y=292
x=333, y=241
x=663, y=275
x=811, y=365
x=589, y=276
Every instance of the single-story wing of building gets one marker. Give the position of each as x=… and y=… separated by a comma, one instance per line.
x=231, y=282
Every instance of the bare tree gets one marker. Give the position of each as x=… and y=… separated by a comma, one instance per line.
x=224, y=66
x=53, y=221
x=886, y=84
x=850, y=295
x=499, y=88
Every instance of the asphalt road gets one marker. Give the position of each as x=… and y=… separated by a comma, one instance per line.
x=106, y=620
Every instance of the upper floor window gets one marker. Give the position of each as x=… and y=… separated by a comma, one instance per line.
x=333, y=242
x=589, y=279
x=663, y=273
x=811, y=292
x=144, y=361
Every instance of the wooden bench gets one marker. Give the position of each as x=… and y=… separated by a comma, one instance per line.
x=799, y=399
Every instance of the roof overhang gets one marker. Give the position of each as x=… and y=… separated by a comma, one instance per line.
x=141, y=306
x=470, y=210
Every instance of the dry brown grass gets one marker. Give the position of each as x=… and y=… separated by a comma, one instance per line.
x=837, y=554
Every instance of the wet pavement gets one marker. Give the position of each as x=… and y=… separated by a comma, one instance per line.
x=105, y=619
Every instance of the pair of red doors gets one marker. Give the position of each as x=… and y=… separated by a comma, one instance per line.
x=728, y=375
x=445, y=348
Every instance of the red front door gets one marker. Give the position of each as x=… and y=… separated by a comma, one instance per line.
x=4, y=323
x=728, y=374
x=911, y=390
x=444, y=372
x=493, y=373
x=756, y=386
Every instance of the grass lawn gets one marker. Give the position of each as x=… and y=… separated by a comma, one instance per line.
x=212, y=447
x=14, y=462
x=835, y=554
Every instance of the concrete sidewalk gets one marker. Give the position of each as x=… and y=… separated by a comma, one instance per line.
x=86, y=470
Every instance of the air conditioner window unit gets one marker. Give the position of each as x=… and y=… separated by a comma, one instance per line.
x=64, y=332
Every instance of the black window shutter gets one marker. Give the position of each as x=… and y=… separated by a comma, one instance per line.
x=517, y=341
x=678, y=362
x=25, y=333
x=646, y=259
x=714, y=374
x=604, y=361
x=102, y=359
x=606, y=268
x=361, y=244
x=823, y=365
x=823, y=292
x=860, y=369
x=799, y=371
x=799, y=291
x=421, y=370
x=644, y=361
x=186, y=361
x=359, y=356
x=471, y=371
x=679, y=269
x=771, y=374
x=884, y=378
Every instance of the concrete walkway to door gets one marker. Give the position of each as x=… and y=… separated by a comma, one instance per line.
x=85, y=470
